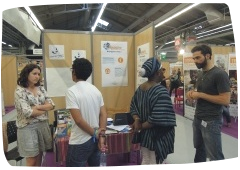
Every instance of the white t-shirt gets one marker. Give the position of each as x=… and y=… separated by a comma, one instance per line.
x=88, y=99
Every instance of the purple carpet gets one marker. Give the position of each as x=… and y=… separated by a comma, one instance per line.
x=9, y=109
x=178, y=110
x=232, y=131
x=125, y=160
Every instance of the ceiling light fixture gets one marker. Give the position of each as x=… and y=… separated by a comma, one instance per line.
x=34, y=18
x=213, y=33
x=181, y=51
x=230, y=44
x=177, y=14
x=169, y=42
x=99, y=16
x=214, y=29
x=105, y=23
x=207, y=34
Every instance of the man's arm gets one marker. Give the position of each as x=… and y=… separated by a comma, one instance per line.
x=222, y=98
x=103, y=117
x=80, y=122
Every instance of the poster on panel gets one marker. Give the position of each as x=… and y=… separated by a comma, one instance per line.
x=190, y=77
x=114, y=61
x=56, y=52
x=142, y=55
x=80, y=54
x=233, y=85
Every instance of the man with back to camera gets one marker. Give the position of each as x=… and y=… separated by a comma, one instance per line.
x=213, y=91
x=89, y=118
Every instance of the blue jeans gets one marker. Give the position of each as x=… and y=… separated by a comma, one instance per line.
x=207, y=140
x=86, y=154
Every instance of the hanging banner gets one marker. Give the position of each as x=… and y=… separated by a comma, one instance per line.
x=233, y=109
x=114, y=63
x=221, y=61
x=190, y=77
x=142, y=56
x=178, y=42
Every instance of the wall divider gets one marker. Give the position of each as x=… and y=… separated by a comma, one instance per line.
x=58, y=49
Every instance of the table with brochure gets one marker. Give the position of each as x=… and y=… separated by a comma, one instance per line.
x=120, y=147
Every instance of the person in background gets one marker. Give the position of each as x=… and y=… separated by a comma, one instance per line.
x=179, y=73
x=213, y=92
x=89, y=118
x=153, y=114
x=226, y=114
x=32, y=103
x=174, y=83
x=163, y=82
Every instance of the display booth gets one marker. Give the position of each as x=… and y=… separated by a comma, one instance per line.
x=114, y=57
x=114, y=60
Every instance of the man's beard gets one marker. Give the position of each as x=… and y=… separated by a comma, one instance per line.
x=202, y=65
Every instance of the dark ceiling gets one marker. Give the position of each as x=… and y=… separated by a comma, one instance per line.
x=130, y=18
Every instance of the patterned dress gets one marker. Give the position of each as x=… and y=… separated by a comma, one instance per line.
x=155, y=106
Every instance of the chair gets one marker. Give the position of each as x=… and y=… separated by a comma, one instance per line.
x=10, y=136
x=179, y=99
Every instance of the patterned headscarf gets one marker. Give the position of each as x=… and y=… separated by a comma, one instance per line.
x=149, y=67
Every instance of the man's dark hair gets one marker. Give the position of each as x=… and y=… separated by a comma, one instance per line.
x=203, y=48
x=82, y=68
x=23, y=78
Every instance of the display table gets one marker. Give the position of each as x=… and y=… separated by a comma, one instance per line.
x=119, y=147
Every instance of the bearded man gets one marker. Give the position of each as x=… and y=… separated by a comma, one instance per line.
x=212, y=92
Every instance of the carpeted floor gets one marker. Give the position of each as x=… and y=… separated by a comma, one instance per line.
x=9, y=109
x=113, y=160
x=232, y=131
x=123, y=161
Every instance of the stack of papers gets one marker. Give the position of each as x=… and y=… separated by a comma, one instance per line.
x=119, y=127
x=109, y=119
x=110, y=131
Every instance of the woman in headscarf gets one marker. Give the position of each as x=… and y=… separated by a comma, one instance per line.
x=153, y=114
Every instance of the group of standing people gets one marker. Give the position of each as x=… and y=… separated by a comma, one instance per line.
x=151, y=108
x=175, y=80
x=88, y=114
